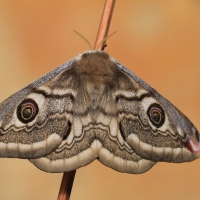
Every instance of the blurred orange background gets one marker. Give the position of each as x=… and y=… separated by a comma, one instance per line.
x=158, y=40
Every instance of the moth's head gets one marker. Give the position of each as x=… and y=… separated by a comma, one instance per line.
x=95, y=66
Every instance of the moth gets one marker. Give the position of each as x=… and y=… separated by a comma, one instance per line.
x=92, y=107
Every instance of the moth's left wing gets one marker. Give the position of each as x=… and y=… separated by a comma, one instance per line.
x=153, y=127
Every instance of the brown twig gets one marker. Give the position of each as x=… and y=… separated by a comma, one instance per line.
x=68, y=177
x=66, y=185
x=104, y=24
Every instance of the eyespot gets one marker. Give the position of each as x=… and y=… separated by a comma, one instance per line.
x=156, y=115
x=27, y=111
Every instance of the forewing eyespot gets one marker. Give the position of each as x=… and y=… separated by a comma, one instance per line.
x=156, y=115
x=27, y=111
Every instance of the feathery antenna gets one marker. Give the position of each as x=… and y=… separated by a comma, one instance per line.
x=84, y=39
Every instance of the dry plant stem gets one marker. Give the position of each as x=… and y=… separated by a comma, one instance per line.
x=66, y=185
x=104, y=24
x=68, y=177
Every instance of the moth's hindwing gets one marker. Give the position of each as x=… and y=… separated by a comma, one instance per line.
x=94, y=108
